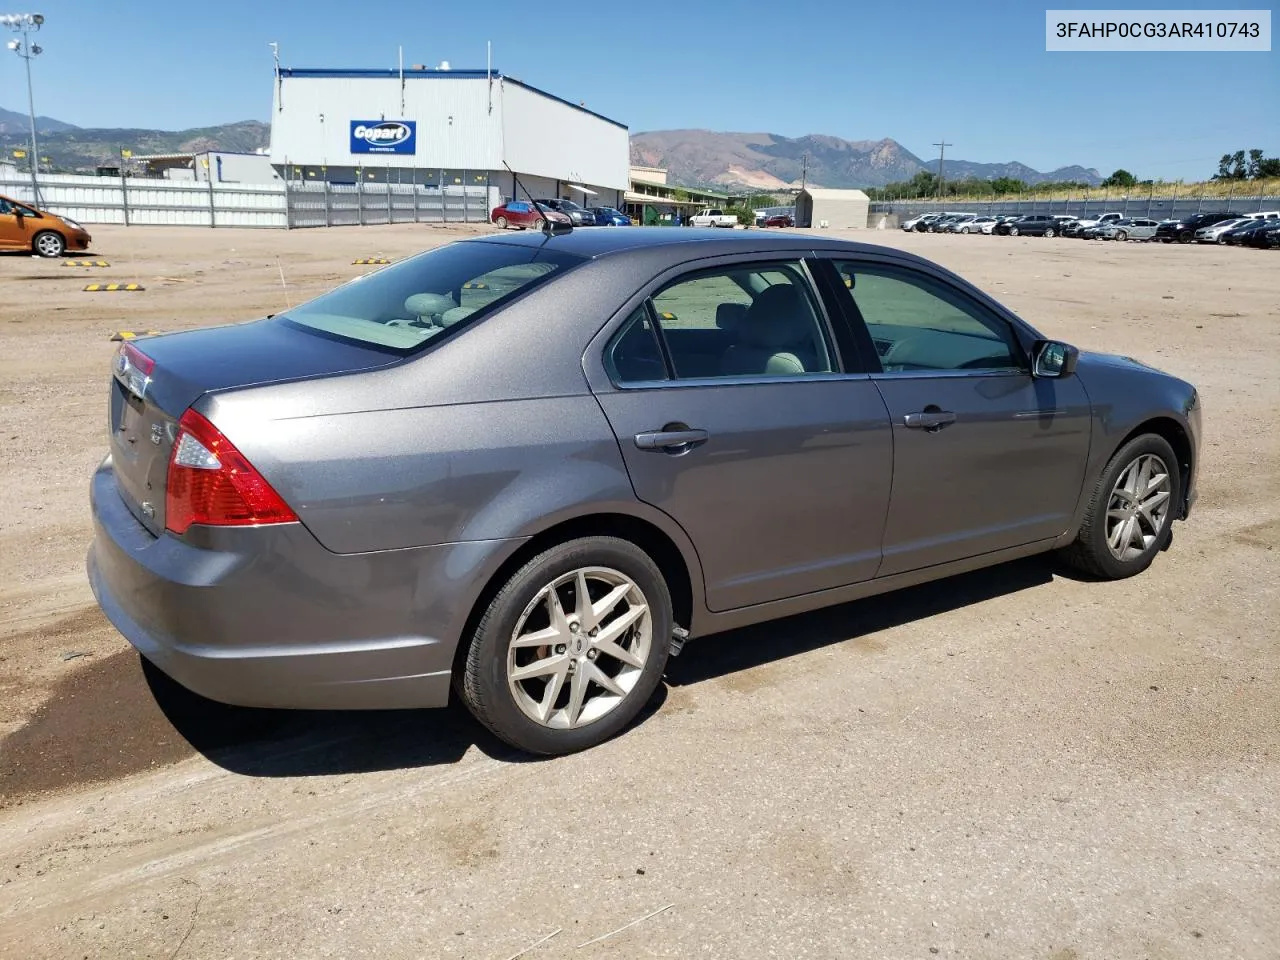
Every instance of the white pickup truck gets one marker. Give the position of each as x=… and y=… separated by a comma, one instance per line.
x=714, y=218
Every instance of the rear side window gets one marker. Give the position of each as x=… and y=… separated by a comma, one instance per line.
x=742, y=321
x=402, y=307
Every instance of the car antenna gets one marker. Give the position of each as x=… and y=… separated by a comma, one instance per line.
x=551, y=228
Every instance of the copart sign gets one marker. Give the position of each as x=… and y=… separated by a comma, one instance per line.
x=383, y=136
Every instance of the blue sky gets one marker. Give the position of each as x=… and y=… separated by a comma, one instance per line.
x=976, y=73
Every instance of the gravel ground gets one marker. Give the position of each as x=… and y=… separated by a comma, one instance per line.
x=1013, y=763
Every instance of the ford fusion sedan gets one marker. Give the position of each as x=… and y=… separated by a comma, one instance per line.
x=523, y=470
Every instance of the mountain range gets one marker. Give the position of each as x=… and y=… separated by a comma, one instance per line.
x=767, y=161
x=72, y=148
x=704, y=158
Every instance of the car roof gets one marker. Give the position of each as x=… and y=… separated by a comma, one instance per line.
x=691, y=242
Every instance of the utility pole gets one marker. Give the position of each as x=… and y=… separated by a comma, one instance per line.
x=24, y=23
x=942, y=148
x=804, y=169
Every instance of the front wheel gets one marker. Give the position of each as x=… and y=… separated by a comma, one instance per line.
x=1130, y=515
x=964, y=229
x=571, y=648
x=49, y=244
x=1122, y=235
x=1049, y=234
x=1013, y=231
x=539, y=224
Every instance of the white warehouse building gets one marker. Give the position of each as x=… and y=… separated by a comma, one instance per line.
x=458, y=129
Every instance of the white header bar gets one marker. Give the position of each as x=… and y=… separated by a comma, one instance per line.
x=1147, y=30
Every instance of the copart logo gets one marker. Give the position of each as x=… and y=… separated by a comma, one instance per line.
x=385, y=134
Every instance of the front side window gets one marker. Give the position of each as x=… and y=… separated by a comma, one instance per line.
x=917, y=323
x=748, y=320
x=403, y=306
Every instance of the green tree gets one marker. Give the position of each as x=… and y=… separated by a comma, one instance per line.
x=1255, y=159
x=1121, y=178
x=1008, y=185
x=1268, y=167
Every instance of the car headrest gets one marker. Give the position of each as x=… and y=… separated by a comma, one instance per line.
x=776, y=319
x=729, y=316
x=429, y=304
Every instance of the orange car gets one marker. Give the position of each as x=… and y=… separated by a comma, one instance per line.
x=25, y=228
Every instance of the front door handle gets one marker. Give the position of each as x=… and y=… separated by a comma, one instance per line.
x=931, y=420
x=671, y=441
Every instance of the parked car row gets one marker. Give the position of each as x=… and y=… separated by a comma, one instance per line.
x=522, y=214
x=1259, y=229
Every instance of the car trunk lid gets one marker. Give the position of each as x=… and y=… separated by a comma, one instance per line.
x=156, y=379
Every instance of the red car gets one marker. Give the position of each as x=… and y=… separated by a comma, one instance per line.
x=522, y=213
x=779, y=220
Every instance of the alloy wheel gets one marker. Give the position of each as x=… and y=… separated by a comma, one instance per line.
x=579, y=648
x=502, y=223
x=49, y=245
x=1138, y=507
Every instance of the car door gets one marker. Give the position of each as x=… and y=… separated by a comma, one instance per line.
x=986, y=457
x=736, y=417
x=13, y=235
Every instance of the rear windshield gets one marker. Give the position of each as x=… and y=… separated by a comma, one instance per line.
x=403, y=306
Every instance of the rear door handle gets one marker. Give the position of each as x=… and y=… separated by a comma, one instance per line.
x=931, y=420
x=671, y=441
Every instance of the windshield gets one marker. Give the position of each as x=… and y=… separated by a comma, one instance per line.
x=403, y=306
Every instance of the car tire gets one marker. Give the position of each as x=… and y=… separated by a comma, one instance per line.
x=525, y=711
x=539, y=224
x=1184, y=237
x=1122, y=235
x=964, y=230
x=1013, y=231
x=501, y=223
x=1048, y=233
x=1116, y=503
x=46, y=243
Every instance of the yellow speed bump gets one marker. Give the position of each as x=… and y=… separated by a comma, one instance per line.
x=130, y=334
x=475, y=286
x=114, y=288
x=85, y=263
x=369, y=260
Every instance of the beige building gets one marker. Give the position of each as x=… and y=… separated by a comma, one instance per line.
x=819, y=207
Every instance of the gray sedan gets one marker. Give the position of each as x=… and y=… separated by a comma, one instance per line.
x=524, y=470
x=1131, y=228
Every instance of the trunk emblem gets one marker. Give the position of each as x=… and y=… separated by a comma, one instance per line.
x=157, y=433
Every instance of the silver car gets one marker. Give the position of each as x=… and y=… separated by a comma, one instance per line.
x=524, y=470
x=1131, y=228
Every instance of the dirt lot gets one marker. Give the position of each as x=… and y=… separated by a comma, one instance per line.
x=1010, y=764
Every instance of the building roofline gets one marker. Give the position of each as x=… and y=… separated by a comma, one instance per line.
x=394, y=73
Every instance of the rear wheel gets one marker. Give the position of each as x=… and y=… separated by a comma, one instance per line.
x=501, y=222
x=1130, y=516
x=49, y=244
x=571, y=648
x=964, y=229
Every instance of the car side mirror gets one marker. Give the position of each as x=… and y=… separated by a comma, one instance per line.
x=19, y=213
x=1052, y=359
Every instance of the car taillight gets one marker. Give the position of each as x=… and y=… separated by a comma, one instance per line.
x=210, y=482
x=134, y=368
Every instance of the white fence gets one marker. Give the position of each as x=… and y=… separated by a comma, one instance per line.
x=282, y=205
x=146, y=201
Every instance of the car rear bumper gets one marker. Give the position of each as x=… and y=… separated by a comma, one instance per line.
x=267, y=617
